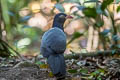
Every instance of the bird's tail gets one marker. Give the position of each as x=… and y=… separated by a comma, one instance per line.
x=57, y=64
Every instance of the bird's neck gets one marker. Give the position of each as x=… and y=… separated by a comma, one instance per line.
x=58, y=25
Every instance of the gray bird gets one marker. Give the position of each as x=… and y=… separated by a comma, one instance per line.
x=53, y=45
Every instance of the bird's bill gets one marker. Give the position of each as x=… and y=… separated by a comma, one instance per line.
x=69, y=17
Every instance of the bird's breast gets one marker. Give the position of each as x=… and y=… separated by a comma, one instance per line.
x=54, y=38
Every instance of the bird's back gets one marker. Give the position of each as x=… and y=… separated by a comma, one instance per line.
x=54, y=40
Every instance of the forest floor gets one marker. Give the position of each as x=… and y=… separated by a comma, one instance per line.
x=84, y=68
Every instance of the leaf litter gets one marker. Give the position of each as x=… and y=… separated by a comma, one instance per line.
x=84, y=68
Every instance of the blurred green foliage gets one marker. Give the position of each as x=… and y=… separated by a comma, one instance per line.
x=5, y=15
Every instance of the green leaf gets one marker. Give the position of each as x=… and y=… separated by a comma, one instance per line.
x=113, y=51
x=91, y=1
x=57, y=0
x=117, y=1
x=60, y=7
x=18, y=4
x=5, y=14
x=98, y=9
x=72, y=71
x=11, y=13
x=26, y=26
x=72, y=1
x=39, y=62
x=23, y=42
x=118, y=45
x=90, y=12
x=11, y=1
x=105, y=32
x=99, y=78
x=75, y=36
x=30, y=32
x=83, y=70
x=106, y=3
x=118, y=8
x=26, y=18
x=116, y=37
x=99, y=24
x=98, y=73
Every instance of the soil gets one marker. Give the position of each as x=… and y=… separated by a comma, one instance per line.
x=29, y=73
x=14, y=69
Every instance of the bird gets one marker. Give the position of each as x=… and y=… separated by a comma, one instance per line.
x=53, y=45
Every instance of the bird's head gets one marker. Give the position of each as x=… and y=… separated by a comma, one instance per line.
x=59, y=20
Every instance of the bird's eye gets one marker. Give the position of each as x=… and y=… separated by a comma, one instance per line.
x=61, y=16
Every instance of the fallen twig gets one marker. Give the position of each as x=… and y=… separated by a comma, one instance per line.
x=92, y=54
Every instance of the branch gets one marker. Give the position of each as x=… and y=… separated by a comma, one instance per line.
x=92, y=54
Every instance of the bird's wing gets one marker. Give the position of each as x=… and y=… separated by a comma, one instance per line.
x=54, y=40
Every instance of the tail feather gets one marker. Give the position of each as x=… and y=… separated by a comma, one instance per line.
x=57, y=64
x=63, y=66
